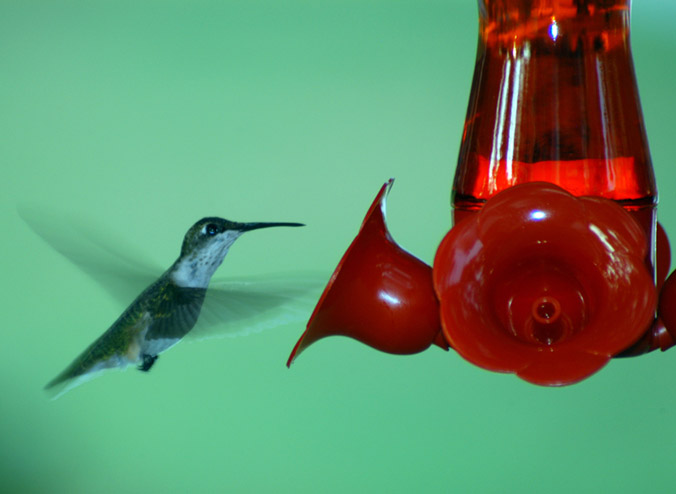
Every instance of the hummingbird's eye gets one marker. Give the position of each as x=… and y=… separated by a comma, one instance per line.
x=211, y=229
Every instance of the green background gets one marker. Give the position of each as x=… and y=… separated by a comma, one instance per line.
x=145, y=116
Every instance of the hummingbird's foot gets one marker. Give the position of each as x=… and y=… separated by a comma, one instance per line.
x=148, y=361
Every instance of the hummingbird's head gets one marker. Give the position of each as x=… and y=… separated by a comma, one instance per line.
x=205, y=245
x=210, y=234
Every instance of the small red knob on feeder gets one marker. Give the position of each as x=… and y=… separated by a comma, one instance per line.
x=667, y=310
x=662, y=256
x=379, y=294
x=657, y=336
x=543, y=284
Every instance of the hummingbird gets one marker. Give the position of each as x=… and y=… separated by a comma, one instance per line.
x=165, y=311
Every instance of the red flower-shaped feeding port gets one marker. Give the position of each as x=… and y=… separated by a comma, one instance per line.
x=543, y=284
x=378, y=294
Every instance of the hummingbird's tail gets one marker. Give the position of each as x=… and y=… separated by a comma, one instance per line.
x=66, y=381
x=74, y=370
x=88, y=365
x=73, y=375
x=64, y=376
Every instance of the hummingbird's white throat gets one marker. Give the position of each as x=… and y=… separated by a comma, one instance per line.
x=196, y=269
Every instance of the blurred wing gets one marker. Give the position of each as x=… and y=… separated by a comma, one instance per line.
x=107, y=259
x=237, y=307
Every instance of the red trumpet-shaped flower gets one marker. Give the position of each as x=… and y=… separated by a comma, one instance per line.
x=543, y=284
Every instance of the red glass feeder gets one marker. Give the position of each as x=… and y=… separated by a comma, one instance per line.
x=552, y=266
x=554, y=99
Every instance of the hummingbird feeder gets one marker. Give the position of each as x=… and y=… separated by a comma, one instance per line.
x=555, y=263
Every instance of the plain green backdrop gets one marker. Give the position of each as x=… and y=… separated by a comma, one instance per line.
x=144, y=116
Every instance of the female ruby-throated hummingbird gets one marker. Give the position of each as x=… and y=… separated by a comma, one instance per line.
x=165, y=311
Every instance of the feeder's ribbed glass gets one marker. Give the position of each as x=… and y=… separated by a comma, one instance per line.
x=554, y=98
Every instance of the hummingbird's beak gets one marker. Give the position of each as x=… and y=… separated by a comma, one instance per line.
x=245, y=227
